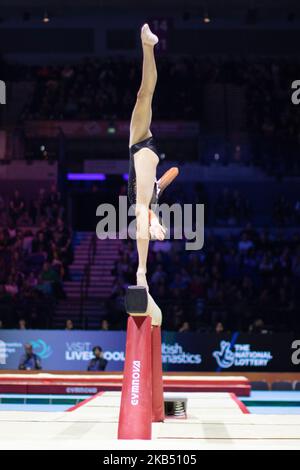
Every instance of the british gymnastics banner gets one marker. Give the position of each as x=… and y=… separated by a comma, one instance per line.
x=71, y=350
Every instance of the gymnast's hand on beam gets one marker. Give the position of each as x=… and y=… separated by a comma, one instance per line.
x=156, y=230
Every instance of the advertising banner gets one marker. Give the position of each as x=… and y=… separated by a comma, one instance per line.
x=72, y=350
x=97, y=129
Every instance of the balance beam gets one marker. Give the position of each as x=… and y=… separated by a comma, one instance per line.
x=142, y=389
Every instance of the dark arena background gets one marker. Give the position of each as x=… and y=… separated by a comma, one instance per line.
x=226, y=112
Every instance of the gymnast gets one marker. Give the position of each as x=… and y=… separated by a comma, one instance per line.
x=143, y=188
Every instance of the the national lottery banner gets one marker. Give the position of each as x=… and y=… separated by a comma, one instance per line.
x=72, y=350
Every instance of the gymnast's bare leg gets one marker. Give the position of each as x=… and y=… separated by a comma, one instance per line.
x=145, y=160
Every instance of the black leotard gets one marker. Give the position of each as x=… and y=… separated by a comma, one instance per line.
x=147, y=143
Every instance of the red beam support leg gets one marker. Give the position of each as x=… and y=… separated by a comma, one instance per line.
x=158, y=411
x=136, y=400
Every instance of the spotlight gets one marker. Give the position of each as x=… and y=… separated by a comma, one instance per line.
x=46, y=18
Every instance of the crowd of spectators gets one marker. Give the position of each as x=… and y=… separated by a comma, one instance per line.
x=232, y=209
x=235, y=209
x=106, y=89
x=35, y=252
x=272, y=119
x=247, y=283
x=228, y=283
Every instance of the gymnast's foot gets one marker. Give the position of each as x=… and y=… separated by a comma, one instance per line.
x=147, y=36
x=166, y=179
x=141, y=279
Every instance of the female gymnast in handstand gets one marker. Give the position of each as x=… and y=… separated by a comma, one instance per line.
x=143, y=188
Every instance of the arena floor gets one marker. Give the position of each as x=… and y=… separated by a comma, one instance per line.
x=214, y=420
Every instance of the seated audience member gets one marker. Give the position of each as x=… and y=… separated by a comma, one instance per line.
x=98, y=362
x=30, y=360
x=258, y=326
x=69, y=325
x=184, y=327
x=22, y=324
x=219, y=328
x=16, y=207
x=104, y=325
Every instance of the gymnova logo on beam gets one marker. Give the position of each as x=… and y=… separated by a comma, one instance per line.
x=240, y=355
x=135, y=382
x=174, y=354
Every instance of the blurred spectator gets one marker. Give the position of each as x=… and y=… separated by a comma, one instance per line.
x=69, y=325
x=231, y=208
x=184, y=327
x=297, y=212
x=245, y=244
x=158, y=276
x=16, y=207
x=282, y=212
x=98, y=362
x=2, y=210
x=30, y=360
x=258, y=327
x=104, y=325
x=219, y=328
x=22, y=324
